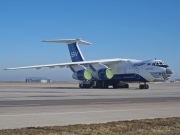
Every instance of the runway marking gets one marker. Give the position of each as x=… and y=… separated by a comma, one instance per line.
x=63, y=113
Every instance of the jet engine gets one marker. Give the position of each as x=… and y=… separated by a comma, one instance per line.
x=105, y=73
x=84, y=74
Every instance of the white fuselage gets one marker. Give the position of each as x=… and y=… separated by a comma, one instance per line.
x=138, y=69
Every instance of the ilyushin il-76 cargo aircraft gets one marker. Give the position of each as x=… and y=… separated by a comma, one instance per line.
x=108, y=72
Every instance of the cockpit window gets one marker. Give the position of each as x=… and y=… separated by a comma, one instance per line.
x=160, y=64
x=149, y=64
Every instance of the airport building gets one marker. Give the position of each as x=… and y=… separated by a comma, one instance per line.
x=38, y=79
x=177, y=80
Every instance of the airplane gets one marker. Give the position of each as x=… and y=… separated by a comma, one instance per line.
x=108, y=72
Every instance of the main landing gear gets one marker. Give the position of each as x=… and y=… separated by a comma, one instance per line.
x=144, y=86
x=102, y=84
x=85, y=84
x=121, y=85
x=105, y=85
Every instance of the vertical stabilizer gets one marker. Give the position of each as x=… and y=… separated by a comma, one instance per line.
x=74, y=50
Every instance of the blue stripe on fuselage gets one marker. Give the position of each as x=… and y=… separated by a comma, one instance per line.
x=125, y=78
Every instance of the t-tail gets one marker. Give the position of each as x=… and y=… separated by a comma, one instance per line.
x=75, y=52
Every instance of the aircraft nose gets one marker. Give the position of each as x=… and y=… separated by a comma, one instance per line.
x=169, y=71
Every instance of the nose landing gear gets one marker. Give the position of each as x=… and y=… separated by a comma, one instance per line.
x=144, y=86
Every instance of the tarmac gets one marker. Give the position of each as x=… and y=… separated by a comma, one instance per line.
x=56, y=104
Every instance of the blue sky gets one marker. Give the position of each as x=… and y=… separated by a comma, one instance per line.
x=138, y=29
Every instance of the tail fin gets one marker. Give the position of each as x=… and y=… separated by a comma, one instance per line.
x=74, y=50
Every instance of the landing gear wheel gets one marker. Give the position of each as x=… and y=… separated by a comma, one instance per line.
x=144, y=86
x=80, y=85
x=115, y=86
x=126, y=85
x=106, y=86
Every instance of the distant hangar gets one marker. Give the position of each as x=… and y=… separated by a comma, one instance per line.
x=38, y=79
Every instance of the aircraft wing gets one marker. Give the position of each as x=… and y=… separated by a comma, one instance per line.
x=61, y=65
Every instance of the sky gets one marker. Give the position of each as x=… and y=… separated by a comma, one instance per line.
x=132, y=29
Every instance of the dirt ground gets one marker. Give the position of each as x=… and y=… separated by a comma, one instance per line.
x=159, y=126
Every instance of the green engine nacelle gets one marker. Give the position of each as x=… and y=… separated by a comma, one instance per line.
x=105, y=73
x=84, y=74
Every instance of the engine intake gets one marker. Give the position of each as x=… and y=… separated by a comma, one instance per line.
x=105, y=73
x=85, y=74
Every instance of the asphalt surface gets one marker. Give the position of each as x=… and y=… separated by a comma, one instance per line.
x=27, y=105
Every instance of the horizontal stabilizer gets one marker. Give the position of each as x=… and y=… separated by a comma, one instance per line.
x=68, y=41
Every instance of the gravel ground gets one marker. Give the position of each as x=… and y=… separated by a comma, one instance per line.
x=159, y=126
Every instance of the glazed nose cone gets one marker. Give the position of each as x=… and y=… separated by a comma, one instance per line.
x=169, y=71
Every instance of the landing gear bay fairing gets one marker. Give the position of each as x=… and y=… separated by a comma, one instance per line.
x=108, y=72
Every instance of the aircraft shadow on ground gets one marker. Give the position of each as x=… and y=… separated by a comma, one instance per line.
x=76, y=88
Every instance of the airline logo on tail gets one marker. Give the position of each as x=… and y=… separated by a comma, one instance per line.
x=74, y=54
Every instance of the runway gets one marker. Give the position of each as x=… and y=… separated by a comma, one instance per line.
x=27, y=105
